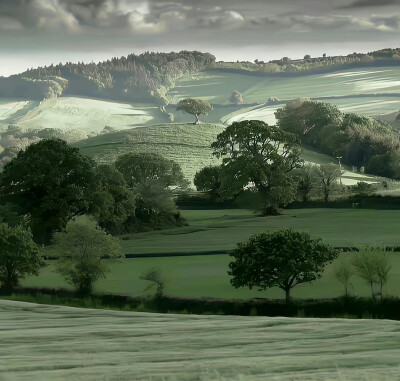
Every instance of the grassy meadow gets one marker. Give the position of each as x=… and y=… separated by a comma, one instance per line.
x=206, y=275
x=64, y=343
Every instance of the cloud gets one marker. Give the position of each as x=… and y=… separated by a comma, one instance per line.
x=370, y=3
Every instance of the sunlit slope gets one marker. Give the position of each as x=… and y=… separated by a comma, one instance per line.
x=42, y=342
x=186, y=144
x=83, y=114
x=218, y=85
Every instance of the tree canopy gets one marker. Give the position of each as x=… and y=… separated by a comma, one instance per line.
x=281, y=259
x=84, y=246
x=51, y=182
x=19, y=256
x=195, y=107
x=208, y=180
x=259, y=158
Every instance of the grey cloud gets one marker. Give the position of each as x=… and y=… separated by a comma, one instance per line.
x=370, y=3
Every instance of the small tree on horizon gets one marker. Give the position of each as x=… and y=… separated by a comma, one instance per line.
x=281, y=259
x=327, y=175
x=195, y=107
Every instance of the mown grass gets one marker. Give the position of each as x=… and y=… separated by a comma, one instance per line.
x=206, y=276
x=63, y=343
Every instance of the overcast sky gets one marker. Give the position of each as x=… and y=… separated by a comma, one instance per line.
x=39, y=32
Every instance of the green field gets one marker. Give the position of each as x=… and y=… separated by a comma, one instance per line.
x=186, y=144
x=217, y=86
x=206, y=275
x=42, y=342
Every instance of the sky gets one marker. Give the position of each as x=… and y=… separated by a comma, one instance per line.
x=41, y=32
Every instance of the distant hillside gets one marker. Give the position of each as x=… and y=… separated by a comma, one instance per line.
x=147, y=77
x=314, y=64
x=136, y=77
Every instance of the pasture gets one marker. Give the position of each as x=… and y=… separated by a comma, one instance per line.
x=206, y=275
x=186, y=144
x=64, y=343
x=217, y=86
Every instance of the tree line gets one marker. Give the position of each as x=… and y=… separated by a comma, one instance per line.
x=362, y=142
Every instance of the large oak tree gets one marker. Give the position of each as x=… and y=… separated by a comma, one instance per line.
x=258, y=158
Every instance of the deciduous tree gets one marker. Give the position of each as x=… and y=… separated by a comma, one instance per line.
x=19, y=256
x=259, y=158
x=195, y=107
x=84, y=247
x=281, y=259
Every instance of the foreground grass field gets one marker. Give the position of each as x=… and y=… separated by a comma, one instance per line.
x=206, y=275
x=42, y=342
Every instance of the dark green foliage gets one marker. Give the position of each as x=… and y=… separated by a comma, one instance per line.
x=84, y=246
x=208, y=180
x=306, y=178
x=307, y=118
x=259, y=158
x=354, y=137
x=195, y=107
x=281, y=259
x=140, y=167
x=386, y=165
x=113, y=203
x=19, y=256
x=51, y=182
x=326, y=176
x=153, y=179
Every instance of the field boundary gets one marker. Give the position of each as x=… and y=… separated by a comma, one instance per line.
x=350, y=307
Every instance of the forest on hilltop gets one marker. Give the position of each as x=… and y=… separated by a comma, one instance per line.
x=143, y=77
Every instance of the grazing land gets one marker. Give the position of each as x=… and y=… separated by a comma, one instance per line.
x=186, y=144
x=64, y=343
x=206, y=275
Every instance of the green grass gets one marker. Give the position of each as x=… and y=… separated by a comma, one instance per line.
x=217, y=86
x=206, y=276
x=42, y=342
x=186, y=144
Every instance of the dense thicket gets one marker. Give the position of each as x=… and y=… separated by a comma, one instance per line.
x=51, y=182
x=361, y=141
x=135, y=77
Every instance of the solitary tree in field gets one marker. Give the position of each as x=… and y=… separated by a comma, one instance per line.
x=281, y=259
x=84, y=246
x=372, y=265
x=19, y=256
x=258, y=158
x=154, y=276
x=236, y=98
x=195, y=107
x=343, y=273
x=327, y=176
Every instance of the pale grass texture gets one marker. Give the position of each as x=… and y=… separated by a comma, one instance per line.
x=40, y=342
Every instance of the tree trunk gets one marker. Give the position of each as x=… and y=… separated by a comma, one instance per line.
x=372, y=291
x=287, y=295
x=197, y=118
